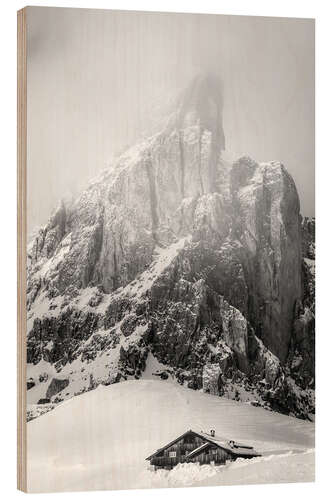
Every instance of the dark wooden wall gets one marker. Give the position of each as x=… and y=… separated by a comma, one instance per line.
x=207, y=456
x=183, y=447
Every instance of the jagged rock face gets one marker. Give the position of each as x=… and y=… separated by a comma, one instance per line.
x=309, y=237
x=211, y=378
x=56, y=385
x=176, y=250
x=268, y=227
x=302, y=352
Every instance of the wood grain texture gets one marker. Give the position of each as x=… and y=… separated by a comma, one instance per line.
x=21, y=248
x=99, y=82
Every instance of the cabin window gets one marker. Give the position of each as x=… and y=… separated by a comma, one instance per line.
x=214, y=451
x=172, y=454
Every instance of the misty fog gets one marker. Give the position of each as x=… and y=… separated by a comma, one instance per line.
x=100, y=80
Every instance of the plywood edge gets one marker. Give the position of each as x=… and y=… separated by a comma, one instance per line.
x=21, y=249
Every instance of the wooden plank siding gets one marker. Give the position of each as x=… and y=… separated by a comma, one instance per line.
x=212, y=454
x=183, y=447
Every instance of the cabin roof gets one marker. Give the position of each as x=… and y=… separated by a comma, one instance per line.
x=170, y=444
x=237, y=449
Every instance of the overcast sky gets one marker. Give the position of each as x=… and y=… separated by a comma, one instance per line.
x=97, y=80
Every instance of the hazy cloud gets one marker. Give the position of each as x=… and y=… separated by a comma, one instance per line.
x=97, y=79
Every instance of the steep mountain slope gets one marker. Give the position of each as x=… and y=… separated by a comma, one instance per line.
x=184, y=251
x=302, y=349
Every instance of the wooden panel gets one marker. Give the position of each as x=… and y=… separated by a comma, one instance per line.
x=181, y=447
x=21, y=248
x=94, y=79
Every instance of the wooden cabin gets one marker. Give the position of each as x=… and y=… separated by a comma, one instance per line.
x=201, y=447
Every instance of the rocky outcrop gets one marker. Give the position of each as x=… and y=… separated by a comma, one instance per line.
x=182, y=251
x=56, y=385
x=30, y=384
x=301, y=361
x=212, y=378
x=308, y=229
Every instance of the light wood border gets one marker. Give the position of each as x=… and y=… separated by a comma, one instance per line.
x=21, y=249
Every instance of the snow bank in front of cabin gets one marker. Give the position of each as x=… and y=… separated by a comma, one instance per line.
x=287, y=467
x=181, y=475
x=100, y=439
x=292, y=467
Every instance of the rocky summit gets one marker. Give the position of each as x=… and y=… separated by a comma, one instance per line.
x=183, y=252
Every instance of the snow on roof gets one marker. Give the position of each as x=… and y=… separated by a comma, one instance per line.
x=220, y=440
x=233, y=447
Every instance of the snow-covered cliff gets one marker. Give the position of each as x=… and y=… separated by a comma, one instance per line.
x=182, y=250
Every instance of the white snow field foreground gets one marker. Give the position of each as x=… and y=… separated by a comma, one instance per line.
x=100, y=440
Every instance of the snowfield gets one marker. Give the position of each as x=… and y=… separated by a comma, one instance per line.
x=100, y=439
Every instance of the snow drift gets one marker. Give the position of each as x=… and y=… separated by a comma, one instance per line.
x=100, y=440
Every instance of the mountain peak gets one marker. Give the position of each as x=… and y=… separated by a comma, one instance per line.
x=179, y=252
x=202, y=101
